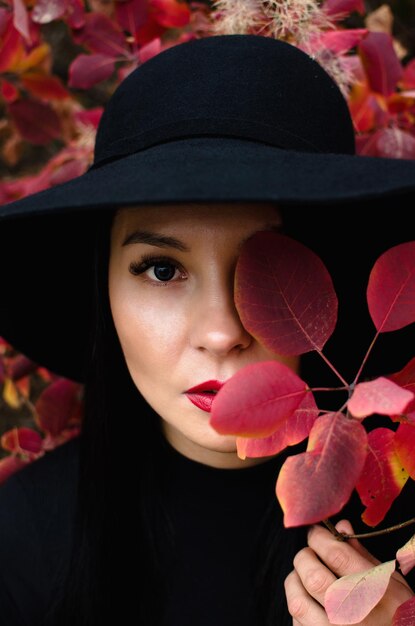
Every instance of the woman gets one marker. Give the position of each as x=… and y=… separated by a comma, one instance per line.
x=166, y=524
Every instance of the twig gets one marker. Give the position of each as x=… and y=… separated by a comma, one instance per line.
x=384, y=531
x=375, y=533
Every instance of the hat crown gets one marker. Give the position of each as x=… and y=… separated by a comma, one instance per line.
x=247, y=86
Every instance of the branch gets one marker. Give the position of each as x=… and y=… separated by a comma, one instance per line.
x=344, y=537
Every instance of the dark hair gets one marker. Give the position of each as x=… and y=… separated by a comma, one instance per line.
x=120, y=512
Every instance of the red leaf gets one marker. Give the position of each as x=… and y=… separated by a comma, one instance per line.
x=68, y=170
x=11, y=48
x=406, y=379
x=381, y=396
x=255, y=401
x=405, y=614
x=9, y=465
x=284, y=294
x=170, y=13
x=408, y=77
x=88, y=69
x=395, y=143
x=20, y=366
x=9, y=92
x=314, y=485
x=57, y=405
x=89, y=117
x=290, y=432
x=391, y=288
x=21, y=20
x=341, y=8
x=382, y=478
x=405, y=446
x=46, y=11
x=102, y=35
x=362, y=104
x=149, y=50
x=351, y=598
x=44, y=87
x=5, y=18
x=75, y=13
x=382, y=66
x=36, y=121
x=22, y=441
x=132, y=14
x=406, y=556
x=338, y=41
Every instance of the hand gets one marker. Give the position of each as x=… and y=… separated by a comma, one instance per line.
x=321, y=563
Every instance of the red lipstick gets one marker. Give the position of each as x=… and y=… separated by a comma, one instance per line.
x=203, y=395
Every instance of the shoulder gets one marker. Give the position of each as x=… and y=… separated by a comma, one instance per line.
x=37, y=506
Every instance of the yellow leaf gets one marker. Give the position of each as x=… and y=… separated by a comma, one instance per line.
x=10, y=394
x=33, y=59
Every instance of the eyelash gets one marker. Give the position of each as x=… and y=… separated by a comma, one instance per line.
x=148, y=260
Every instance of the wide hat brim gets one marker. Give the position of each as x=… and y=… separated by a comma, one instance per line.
x=222, y=169
x=45, y=239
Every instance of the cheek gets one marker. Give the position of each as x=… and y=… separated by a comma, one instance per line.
x=151, y=329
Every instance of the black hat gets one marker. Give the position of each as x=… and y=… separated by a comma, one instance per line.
x=225, y=118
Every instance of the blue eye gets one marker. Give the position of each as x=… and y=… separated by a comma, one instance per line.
x=164, y=268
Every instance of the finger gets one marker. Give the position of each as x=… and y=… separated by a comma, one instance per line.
x=304, y=610
x=340, y=557
x=314, y=575
x=344, y=526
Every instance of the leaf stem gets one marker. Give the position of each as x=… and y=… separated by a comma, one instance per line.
x=369, y=350
x=331, y=366
x=384, y=531
x=375, y=533
x=340, y=536
x=329, y=388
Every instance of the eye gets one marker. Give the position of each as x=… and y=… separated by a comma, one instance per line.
x=164, y=268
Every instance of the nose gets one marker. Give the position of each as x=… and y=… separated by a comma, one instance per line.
x=216, y=325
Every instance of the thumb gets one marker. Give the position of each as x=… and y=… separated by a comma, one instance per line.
x=344, y=526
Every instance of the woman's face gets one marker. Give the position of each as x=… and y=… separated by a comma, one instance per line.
x=175, y=314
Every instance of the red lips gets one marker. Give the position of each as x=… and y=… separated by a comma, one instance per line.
x=200, y=396
x=207, y=386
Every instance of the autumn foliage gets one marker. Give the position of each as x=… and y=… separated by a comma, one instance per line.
x=51, y=104
x=286, y=299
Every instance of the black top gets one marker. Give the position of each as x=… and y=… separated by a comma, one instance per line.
x=215, y=513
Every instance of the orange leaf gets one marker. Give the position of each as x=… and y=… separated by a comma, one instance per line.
x=11, y=49
x=314, y=485
x=382, y=478
x=35, y=58
x=290, y=432
x=405, y=446
x=45, y=87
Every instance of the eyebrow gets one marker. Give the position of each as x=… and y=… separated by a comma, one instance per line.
x=164, y=241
